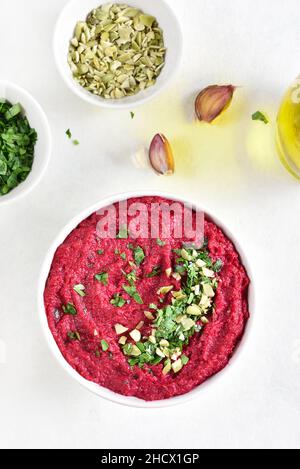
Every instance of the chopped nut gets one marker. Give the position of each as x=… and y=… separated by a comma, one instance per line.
x=149, y=315
x=165, y=290
x=123, y=340
x=135, y=335
x=160, y=353
x=120, y=329
x=169, y=272
x=177, y=366
x=194, y=310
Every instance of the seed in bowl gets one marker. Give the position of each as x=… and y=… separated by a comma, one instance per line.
x=117, y=52
x=17, y=143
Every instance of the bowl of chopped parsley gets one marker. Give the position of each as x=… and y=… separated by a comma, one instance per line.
x=25, y=142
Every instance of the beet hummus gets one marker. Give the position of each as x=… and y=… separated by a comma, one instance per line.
x=146, y=317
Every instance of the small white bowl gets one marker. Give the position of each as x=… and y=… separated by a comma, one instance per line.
x=77, y=10
x=37, y=120
x=93, y=387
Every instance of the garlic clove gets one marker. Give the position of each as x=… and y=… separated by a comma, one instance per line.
x=161, y=155
x=212, y=101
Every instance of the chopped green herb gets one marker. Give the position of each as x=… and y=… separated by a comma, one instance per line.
x=69, y=133
x=259, y=116
x=155, y=272
x=132, y=291
x=17, y=143
x=160, y=242
x=218, y=265
x=176, y=323
x=80, y=289
x=100, y=252
x=74, y=335
x=139, y=255
x=69, y=308
x=97, y=353
x=118, y=301
x=104, y=345
x=123, y=256
x=184, y=360
x=123, y=233
x=102, y=278
x=132, y=114
x=76, y=142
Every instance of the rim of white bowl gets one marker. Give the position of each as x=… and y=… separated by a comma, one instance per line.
x=121, y=103
x=105, y=393
x=28, y=185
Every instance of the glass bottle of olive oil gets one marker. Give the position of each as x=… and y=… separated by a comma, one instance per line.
x=288, y=130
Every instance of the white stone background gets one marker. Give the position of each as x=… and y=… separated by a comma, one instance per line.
x=251, y=43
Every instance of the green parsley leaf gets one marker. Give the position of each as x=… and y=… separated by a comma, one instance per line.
x=100, y=252
x=139, y=255
x=102, y=278
x=76, y=142
x=74, y=335
x=69, y=133
x=155, y=272
x=17, y=145
x=259, y=116
x=69, y=308
x=184, y=359
x=160, y=243
x=123, y=233
x=132, y=114
x=218, y=265
x=118, y=301
x=80, y=289
x=104, y=345
x=133, y=293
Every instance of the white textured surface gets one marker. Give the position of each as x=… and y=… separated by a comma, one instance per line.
x=251, y=43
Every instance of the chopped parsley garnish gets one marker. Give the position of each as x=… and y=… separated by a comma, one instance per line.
x=132, y=114
x=155, y=272
x=175, y=324
x=218, y=265
x=69, y=308
x=74, y=335
x=123, y=233
x=76, y=142
x=100, y=252
x=139, y=255
x=80, y=289
x=104, y=345
x=259, y=116
x=102, y=278
x=118, y=301
x=130, y=277
x=69, y=133
x=160, y=243
x=133, y=293
x=17, y=143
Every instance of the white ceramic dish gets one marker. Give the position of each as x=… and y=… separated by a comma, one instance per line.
x=77, y=10
x=96, y=389
x=37, y=120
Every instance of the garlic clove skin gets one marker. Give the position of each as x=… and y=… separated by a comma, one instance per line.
x=212, y=101
x=161, y=155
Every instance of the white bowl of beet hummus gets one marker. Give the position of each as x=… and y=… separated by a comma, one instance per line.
x=145, y=301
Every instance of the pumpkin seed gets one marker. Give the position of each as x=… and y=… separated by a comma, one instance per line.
x=117, y=52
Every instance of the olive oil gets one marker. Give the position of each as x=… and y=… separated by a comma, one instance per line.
x=288, y=130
